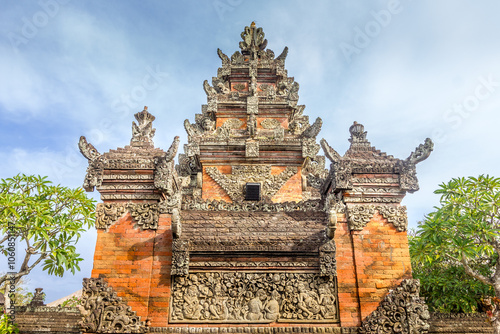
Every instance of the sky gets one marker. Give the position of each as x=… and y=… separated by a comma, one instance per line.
x=406, y=70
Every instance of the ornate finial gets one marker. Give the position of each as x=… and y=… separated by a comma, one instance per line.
x=143, y=132
x=253, y=40
x=358, y=134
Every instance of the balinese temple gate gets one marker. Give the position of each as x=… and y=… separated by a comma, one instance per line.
x=252, y=231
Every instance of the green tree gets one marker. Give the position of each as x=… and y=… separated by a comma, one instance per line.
x=463, y=233
x=46, y=219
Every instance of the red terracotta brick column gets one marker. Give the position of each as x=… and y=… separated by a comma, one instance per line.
x=382, y=261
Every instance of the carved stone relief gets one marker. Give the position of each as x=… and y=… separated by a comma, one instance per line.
x=222, y=297
x=234, y=183
x=401, y=311
x=200, y=205
x=359, y=215
x=144, y=214
x=108, y=214
x=327, y=260
x=105, y=312
x=270, y=123
x=180, y=257
x=309, y=148
x=251, y=149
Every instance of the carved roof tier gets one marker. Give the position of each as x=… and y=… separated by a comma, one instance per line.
x=252, y=114
x=217, y=231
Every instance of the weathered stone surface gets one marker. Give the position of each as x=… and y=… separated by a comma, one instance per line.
x=254, y=298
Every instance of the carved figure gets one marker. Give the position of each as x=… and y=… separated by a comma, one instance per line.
x=272, y=307
x=256, y=307
x=143, y=132
x=192, y=308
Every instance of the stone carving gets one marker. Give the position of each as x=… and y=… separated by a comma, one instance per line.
x=234, y=183
x=38, y=298
x=146, y=215
x=327, y=261
x=358, y=135
x=170, y=203
x=253, y=41
x=251, y=149
x=209, y=90
x=136, y=196
x=176, y=223
x=93, y=177
x=219, y=297
x=105, y=312
x=309, y=148
x=143, y=132
x=401, y=311
x=395, y=215
x=180, y=257
x=376, y=180
x=408, y=178
x=108, y=214
x=253, y=264
x=330, y=153
x=251, y=125
x=313, y=130
x=240, y=87
x=225, y=59
x=224, y=131
x=255, y=329
x=165, y=176
x=198, y=205
x=359, y=215
x=270, y=123
x=268, y=90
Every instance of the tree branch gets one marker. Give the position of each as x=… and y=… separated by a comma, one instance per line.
x=475, y=274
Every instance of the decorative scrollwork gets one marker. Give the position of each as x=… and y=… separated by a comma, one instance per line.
x=233, y=183
x=359, y=215
x=213, y=205
x=105, y=312
x=108, y=214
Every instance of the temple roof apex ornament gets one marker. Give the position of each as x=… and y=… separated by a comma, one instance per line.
x=144, y=131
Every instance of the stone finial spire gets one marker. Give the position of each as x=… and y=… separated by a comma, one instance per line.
x=253, y=40
x=144, y=132
x=358, y=136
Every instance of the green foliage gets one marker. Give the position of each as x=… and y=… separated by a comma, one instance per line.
x=456, y=248
x=48, y=219
x=21, y=294
x=7, y=326
x=71, y=302
x=447, y=288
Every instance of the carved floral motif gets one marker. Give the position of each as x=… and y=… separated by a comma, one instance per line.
x=402, y=311
x=219, y=297
x=234, y=183
x=108, y=214
x=146, y=215
x=360, y=214
x=180, y=257
x=213, y=205
x=105, y=312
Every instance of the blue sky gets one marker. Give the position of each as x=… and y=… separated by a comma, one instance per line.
x=405, y=69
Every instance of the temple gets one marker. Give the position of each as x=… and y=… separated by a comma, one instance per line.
x=252, y=231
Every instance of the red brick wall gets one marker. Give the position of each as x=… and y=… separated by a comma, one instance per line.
x=136, y=264
x=382, y=261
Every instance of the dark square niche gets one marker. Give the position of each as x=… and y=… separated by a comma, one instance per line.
x=252, y=192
